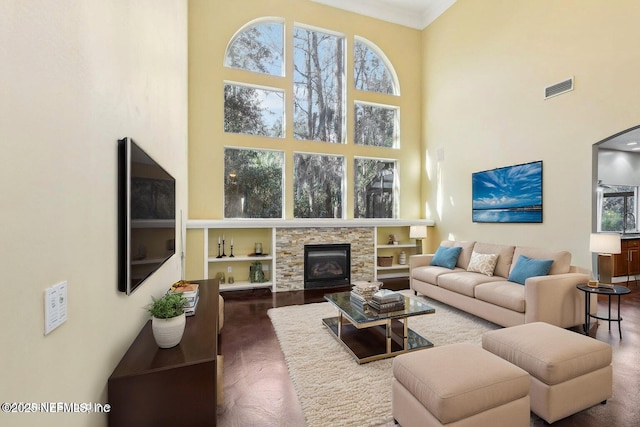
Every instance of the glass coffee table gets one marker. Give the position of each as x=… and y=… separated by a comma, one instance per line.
x=369, y=335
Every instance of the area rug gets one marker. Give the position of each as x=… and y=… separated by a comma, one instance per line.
x=332, y=388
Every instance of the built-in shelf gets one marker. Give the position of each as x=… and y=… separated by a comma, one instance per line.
x=301, y=223
x=246, y=232
x=399, y=245
x=383, y=248
x=240, y=258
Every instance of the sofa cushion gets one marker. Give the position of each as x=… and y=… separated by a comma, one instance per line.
x=561, y=260
x=430, y=274
x=505, y=256
x=446, y=257
x=465, y=255
x=503, y=293
x=464, y=282
x=483, y=263
x=528, y=267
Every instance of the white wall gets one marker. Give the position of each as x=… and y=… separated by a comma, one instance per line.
x=618, y=167
x=75, y=76
x=486, y=64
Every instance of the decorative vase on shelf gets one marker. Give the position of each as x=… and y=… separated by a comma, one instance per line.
x=402, y=259
x=256, y=275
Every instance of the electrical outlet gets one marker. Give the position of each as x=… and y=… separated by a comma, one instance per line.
x=55, y=306
x=229, y=269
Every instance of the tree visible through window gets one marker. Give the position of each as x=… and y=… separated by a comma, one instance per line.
x=253, y=111
x=258, y=48
x=375, y=125
x=253, y=183
x=370, y=72
x=317, y=186
x=318, y=86
x=375, y=188
x=619, y=209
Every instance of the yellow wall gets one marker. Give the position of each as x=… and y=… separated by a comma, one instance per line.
x=213, y=24
x=485, y=65
x=77, y=75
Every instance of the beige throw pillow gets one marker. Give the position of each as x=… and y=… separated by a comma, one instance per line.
x=483, y=263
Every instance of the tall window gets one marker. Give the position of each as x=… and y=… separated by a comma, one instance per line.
x=253, y=183
x=254, y=176
x=375, y=188
x=318, y=85
x=318, y=183
x=253, y=111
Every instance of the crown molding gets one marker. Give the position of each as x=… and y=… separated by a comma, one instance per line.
x=416, y=14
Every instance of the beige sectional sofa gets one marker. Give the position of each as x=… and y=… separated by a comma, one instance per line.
x=551, y=298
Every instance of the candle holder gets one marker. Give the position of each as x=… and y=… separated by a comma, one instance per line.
x=231, y=255
x=219, y=256
x=223, y=254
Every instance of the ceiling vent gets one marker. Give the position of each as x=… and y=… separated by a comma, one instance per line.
x=558, y=88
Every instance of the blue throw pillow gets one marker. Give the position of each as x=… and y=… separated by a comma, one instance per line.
x=446, y=257
x=528, y=267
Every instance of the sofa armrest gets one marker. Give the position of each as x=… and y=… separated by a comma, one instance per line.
x=555, y=299
x=420, y=260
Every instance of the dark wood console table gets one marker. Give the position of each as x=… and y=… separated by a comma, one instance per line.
x=176, y=386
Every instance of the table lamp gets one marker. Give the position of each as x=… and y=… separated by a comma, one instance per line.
x=418, y=232
x=605, y=245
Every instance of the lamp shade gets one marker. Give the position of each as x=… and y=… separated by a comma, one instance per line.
x=417, y=231
x=605, y=243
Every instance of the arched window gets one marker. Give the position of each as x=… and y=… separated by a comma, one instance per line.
x=258, y=47
x=318, y=93
x=372, y=71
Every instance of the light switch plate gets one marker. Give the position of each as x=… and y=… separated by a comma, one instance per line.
x=55, y=306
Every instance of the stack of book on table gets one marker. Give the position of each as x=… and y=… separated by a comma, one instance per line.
x=191, y=292
x=385, y=301
x=362, y=293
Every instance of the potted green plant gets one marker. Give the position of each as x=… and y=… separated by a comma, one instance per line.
x=168, y=319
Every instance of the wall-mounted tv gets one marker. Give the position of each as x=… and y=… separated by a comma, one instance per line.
x=508, y=194
x=146, y=215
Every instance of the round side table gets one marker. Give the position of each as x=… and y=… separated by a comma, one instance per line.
x=617, y=290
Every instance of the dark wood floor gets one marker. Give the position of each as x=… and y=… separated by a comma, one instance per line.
x=258, y=392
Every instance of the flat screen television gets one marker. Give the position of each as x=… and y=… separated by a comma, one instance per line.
x=508, y=194
x=146, y=215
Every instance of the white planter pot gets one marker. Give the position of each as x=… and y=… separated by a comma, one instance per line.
x=168, y=332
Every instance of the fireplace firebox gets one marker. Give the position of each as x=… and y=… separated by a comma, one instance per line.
x=327, y=265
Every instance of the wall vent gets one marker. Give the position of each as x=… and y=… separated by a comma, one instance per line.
x=558, y=88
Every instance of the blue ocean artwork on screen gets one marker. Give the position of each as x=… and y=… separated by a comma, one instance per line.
x=509, y=194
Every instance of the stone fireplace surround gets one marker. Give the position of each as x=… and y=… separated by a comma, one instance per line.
x=290, y=252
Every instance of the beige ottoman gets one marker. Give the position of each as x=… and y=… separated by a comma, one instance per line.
x=569, y=371
x=458, y=385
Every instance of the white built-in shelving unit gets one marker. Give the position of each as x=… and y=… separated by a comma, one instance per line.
x=245, y=233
